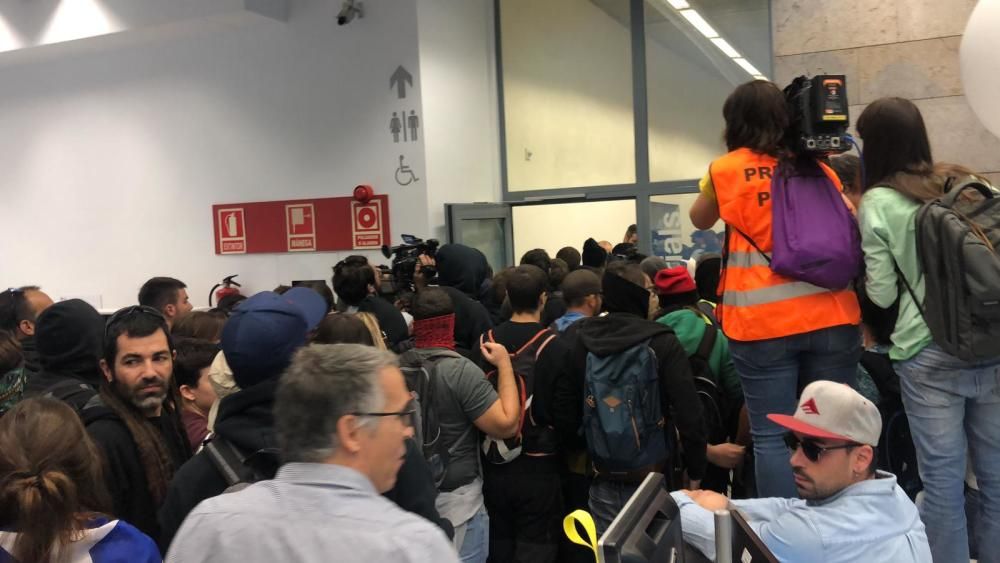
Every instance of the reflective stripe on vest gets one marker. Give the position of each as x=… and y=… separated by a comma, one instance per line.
x=740, y=259
x=770, y=294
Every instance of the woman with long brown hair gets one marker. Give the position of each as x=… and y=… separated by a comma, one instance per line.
x=953, y=406
x=53, y=504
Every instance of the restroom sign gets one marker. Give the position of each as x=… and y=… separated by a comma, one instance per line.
x=232, y=232
x=366, y=226
x=300, y=226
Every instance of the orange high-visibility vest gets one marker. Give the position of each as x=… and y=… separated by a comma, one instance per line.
x=758, y=304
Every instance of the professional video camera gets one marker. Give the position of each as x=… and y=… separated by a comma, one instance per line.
x=818, y=109
x=405, y=261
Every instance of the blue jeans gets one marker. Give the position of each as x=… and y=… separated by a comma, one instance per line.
x=606, y=500
x=954, y=407
x=772, y=373
x=472, y=539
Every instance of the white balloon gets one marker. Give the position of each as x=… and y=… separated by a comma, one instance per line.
x=981, y=63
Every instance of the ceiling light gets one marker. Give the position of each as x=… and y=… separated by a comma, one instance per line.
x=745, y=65
x=679, y=4
x=725, y=47
x=699, y=23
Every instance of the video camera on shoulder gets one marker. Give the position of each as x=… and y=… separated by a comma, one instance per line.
x=405, y=257
x=818, y=110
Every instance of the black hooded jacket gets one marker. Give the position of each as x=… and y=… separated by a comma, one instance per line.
x=246, y=420
x=69, y=337
x=625, y=327
x=32, y=363
x=462, y=272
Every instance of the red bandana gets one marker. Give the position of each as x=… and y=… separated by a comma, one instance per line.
x=435, y=332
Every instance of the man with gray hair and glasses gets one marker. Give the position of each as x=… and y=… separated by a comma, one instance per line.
x=342, y=414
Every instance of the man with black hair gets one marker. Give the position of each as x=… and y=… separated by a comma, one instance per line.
x=355, y=283
x=69, y=337
x=625, y=331
x=523, y=495
x=135, y=421
x=194, y=359
x=555, y=306
x=469, y=404
x=168, y=296
x=571, y=256
x=19, y=311
x=581, y=290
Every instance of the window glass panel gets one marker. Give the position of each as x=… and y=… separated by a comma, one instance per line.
x=674, y=237
x=487, y=235
x=567, y=86
x=691, y=69
x=555, y=225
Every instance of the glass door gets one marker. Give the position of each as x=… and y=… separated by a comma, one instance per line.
x=484, y=226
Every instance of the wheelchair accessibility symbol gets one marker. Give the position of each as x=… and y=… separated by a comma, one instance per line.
x=404, y=174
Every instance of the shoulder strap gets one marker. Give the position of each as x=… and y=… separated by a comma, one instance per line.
x=707, y=343
x=909, y=289
x=752, y=243
x=534, y=338
x=227, y=460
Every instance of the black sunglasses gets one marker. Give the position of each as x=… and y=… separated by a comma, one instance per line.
x=126, y=312
x=811, y=449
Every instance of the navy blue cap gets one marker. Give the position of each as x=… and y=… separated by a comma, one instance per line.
x=264, y=331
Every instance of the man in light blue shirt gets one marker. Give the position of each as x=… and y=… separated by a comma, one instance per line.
x=848, y=511
x=341, y=415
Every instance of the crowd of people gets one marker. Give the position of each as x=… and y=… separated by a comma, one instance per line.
x=464, y=419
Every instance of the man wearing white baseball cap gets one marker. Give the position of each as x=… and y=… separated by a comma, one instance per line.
x=848, y=511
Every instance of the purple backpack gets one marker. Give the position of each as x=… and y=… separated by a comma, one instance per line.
x=815, y=236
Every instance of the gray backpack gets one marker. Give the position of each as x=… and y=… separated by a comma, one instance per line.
x=958, y=243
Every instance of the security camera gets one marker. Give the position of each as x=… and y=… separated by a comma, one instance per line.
x=348, y=11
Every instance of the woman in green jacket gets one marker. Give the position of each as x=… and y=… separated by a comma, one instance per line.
x=952, y=405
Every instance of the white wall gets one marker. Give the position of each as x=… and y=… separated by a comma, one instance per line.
x=457, y=60
x=112, y=157
x=553, y=226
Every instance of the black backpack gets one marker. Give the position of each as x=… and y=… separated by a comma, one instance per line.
x=423, y=384
x=531, y=438
x=239, y=468
x=957, y=242
x=713, y=406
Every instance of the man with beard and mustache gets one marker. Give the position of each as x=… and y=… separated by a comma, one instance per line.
x=849, y=511
x=136, y=418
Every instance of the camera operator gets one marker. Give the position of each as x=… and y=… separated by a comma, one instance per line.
x=783, y=333
x=357, y=287
x=462, y=272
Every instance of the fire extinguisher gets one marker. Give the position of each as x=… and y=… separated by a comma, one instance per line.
x=227, y=287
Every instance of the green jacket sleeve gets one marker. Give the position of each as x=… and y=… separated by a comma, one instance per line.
x=880, y=274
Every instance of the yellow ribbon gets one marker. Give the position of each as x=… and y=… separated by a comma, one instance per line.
x=572, y=532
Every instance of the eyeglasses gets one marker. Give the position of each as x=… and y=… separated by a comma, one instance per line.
x=406, y=417
x=126, y=312
x=811, y=449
